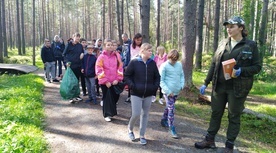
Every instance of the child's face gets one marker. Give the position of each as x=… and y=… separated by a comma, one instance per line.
x=115, y=46
x=172, y=61
x=109, y=46
x=89, y=50
x=138, y=41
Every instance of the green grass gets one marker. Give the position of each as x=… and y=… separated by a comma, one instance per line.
x=21, y=114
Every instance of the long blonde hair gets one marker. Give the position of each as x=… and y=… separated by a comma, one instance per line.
x=160, y=50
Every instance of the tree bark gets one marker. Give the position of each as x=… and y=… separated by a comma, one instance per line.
x=10, y=27
x=199, y=40
x=18, y=29
x=118, y=22
x=4, y=32
x=262, y=30
x=216, y=24
x=103, y=20
x=128, y=19
x=1, y=37
x=23, y=28
x=189, y=38
x=33, y=32
x=145, y=18
x=158, y=23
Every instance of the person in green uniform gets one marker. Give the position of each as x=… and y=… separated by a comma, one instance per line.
x=234, y=90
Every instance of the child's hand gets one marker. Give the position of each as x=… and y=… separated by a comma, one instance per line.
x=108, y=84
x=82, y=70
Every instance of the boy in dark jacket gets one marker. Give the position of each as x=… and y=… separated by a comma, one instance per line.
x=88, y=70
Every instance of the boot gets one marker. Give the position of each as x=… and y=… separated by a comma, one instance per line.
x=229, y=147
x=208, y=142
x=164, y=123
x=173, y=132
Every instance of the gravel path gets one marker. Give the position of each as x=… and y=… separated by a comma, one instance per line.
x=81, y=128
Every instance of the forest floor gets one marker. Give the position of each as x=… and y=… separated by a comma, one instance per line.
x=81, y=128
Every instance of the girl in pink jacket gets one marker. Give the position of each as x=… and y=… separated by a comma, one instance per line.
x=160, y=58
x=109, y=70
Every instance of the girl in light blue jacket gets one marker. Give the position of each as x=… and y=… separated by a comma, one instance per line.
x=172, y=81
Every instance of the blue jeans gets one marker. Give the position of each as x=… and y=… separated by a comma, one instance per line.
x=90, y=83
x=50, y=68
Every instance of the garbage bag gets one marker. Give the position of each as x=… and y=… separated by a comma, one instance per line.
x=119, y=88
x=69, y=87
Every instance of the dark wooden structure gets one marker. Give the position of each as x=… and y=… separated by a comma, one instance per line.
x=16, y=68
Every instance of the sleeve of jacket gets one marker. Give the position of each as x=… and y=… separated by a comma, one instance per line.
x=129, y=74
x=42, y=55
x=256, y=62
x=65, y=52
x=100, y=69
x=182, y=77
x=120, y=71
x=210, y=73
x=127, y=57
x=163, y=84
x=156, y=76
x=83, y=62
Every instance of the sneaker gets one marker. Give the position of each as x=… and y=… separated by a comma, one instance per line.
x=131, y=136
x=85, y=94
x=78, y=99
x=173, y=132
x=161, y=101
x=128, y=100
x=55, y=80
x=99, y=96
x=107, y=119
x=72, y=101
x=49, y=81
x=207, y=142
x=101, y=103
x=153, y=99
x=164, y=123
x=143, y=141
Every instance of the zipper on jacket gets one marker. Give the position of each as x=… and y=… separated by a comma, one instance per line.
x=146, y=80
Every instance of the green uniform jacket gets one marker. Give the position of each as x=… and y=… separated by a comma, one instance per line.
x=247, y=57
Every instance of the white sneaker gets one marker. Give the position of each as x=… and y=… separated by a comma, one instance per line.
x=161, y=101
x=78, y=99
x=101, y=103
x=107, y=119
x=153, y=99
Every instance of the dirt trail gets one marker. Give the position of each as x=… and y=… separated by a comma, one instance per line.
x=81, y=128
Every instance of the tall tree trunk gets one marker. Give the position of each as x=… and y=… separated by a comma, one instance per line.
x=23, y=28
x=18, y=29
x=128, y=19
x=134, y=17
x=10, y=27
x=189, y=38
x=5, y=47
x=103, y=20
x=216, y=24
x=158, y=23
x=1, y=36
x=109, y=19
x=199, y=40
x=255, y=20
x=262, y=31
x=225, y=7
x=33, y=32
x=122, y=17
x=145, y=18
x=252, y=16
x=119, y=23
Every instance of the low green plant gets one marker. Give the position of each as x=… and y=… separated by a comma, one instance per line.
x=21, y=114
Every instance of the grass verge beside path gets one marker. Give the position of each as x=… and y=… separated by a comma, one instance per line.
x=21, y=114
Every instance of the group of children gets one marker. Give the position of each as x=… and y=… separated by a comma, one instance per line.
x=142, y=72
